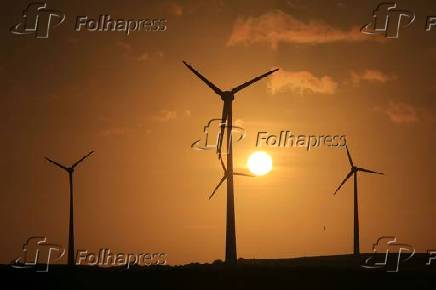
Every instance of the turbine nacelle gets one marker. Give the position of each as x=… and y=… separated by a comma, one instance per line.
x=227, y=96
x=353, y=171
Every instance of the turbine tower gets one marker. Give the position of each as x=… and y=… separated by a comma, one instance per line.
x=353, y=172
x=226, y=123
x=70, y=171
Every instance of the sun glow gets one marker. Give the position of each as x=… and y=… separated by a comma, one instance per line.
x=259, y=163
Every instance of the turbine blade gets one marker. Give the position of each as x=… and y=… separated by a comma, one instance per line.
x=201, y=77
x=244, y=174
x=369, y=171
x=56, y=163
x=349, y=156
x=218, y=186
x=343, y=182
x=246, y=84
x=81, y=159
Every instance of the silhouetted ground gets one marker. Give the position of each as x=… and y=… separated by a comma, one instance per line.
x=330, y=272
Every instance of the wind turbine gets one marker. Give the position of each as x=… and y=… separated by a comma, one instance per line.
x=70, y=171
x=226, y=122
x=353, y=172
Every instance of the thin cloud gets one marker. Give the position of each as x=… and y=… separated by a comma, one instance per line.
x=278, y=27
x=400, y=112
x=187, y=113
x=169, y=115
x=124, y=46
x=115, y=131
x=174, y=9
x=301, y=82
x=165, y=116
x=143, y=57
x=370, y=75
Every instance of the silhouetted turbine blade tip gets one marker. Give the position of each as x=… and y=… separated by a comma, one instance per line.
x=82, y=159
x=343, y=182
x=204, y=79
x=218, y=186
x=349, y=156
x=252, y=81
x=56, y=163
x=370, y=171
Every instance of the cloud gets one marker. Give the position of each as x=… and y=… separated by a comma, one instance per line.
x=400, y=112
x=129, y=52
x=278, y=27
x=370, y=76
x=187, y=113
x=115, y=131
x=301, y=81
x=125, y=46
x=168, y=115
x=173, y=8
x=165, y=116
x=143, y=57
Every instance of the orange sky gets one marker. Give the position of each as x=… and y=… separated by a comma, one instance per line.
x=132, y=100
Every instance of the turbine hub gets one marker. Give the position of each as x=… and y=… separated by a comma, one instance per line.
x=227, y=96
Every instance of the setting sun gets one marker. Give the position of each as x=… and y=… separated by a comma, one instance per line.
x=259, y=163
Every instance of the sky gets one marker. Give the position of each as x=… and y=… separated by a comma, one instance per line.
x=131, y=99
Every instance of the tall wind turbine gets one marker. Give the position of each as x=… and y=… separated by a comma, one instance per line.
x=70, y=171
x=353, y=172
x=226, y=122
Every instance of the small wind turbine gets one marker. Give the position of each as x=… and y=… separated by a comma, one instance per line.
x=353, y=172
x=70, y=171
x=226, y=122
